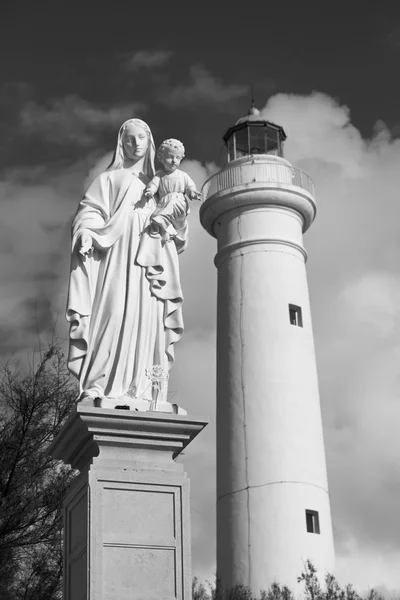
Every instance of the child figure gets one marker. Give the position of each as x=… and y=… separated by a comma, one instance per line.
x=173, y=187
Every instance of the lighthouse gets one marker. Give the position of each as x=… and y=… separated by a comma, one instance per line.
x=273, y=509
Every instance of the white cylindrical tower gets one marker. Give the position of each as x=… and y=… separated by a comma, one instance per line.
x=273, y=508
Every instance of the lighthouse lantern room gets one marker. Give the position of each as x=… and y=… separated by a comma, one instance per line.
x=254, y=135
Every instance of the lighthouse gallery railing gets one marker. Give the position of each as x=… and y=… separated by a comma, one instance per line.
x=260, y=172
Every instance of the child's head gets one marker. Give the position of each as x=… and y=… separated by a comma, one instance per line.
x=170, y=154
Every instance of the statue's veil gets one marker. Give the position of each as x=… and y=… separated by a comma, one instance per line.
x=118, y=157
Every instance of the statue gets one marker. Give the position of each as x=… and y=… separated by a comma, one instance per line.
x=125, y=299
x=172, y=185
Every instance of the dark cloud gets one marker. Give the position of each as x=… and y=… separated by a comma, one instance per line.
x=38, y=315
x=41, y=133
x=145, y=59
x=204, y=88
x=45, y=276
x=72, y=120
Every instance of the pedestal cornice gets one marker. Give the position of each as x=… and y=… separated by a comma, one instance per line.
x=90, y=432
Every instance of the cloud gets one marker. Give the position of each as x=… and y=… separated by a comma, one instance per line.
x=199, y=172
x=146, y=59
x=72, y=119
x=203, y=88
x=373, y=302
x=367, y=570
x=99, y=167
x=322, y=130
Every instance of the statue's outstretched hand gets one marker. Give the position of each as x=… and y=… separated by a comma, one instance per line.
x=86, y=244
x=195, y=195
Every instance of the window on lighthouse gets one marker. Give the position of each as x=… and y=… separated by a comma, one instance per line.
x=273, y=141
x=242, y=142
x=257, y=140
x=295, y=316
x=231, y=148
x=312, y=521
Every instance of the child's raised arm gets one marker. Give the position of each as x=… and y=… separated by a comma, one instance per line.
x=152, y=187
x=190, y=190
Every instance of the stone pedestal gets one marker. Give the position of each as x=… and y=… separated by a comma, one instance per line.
x=127, y=516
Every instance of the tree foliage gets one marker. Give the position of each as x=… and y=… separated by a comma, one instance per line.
x=33, y=408
x=312, y=590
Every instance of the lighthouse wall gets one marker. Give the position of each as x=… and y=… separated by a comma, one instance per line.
x=270, y=452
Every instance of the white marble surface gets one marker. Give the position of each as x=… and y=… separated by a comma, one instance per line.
x=125, y=299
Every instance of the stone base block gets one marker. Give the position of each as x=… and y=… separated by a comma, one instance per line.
x=127, y=516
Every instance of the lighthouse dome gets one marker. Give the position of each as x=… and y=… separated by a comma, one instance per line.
x=252, y=115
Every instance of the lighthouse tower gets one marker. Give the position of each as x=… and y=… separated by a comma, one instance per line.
x=273, y=508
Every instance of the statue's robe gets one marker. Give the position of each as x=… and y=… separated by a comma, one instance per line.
x=125, y=299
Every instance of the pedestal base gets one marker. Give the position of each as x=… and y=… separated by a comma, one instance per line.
x=127, y=516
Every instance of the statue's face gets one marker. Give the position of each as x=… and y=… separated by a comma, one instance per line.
x=134, y=142
x=171, y=159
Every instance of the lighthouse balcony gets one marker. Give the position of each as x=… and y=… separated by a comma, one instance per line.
x=257, y=180
x=257, y=169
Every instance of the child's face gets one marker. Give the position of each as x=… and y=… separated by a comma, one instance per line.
x=171, y=159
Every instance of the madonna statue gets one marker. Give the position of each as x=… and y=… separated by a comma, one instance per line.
x=125, y=299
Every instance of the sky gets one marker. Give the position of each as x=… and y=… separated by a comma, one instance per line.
x=72, y=72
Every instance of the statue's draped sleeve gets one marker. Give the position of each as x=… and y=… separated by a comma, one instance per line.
x=162, y=271
x=101, y=214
